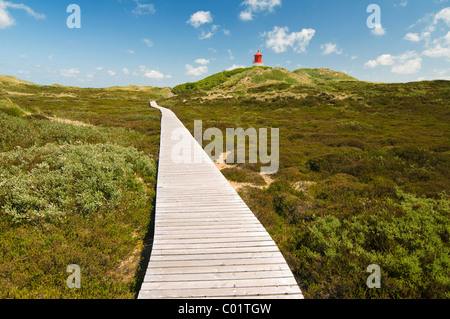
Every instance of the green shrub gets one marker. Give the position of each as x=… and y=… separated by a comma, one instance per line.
x=243, y=175
x=44, y=183
x=412, y=249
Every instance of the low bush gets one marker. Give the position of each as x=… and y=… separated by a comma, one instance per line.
x=43, y=183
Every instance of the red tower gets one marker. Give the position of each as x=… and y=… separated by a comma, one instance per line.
x=258, y=59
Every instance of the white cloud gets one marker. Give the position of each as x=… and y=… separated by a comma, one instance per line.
x=329, y=48
x=235, y=66
x=130, y=51
x=226, y=32
x=111, y=72
x=437, y=52
x=413, y=37
x=148, y=42
x=70, y=73
x=443, y=15
x=6, y=20
x=279, y=39
x=407, y=63
x=408, y=67
x=378, y=30
x=202, y=61
x=125, y=71
x=199, y=18
x=253, y=6
x=151, y=74
x=190, y=70
x=99, y=68
x=51, y=57
x=246, y=16
x=143, y=8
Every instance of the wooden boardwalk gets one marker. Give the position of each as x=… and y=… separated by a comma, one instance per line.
x=207, y=242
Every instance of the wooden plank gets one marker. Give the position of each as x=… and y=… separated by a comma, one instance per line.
x=215, y=283
x=207, y=243
x=221, y=292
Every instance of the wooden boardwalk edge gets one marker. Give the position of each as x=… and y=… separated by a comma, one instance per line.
x=207, y=242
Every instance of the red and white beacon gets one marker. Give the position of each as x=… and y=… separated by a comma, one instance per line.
x=258, y=59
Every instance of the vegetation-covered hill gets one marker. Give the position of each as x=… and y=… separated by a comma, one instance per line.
x=256, y=80
x=364, y=174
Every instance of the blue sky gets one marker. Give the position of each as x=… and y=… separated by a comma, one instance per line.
x=165, y=43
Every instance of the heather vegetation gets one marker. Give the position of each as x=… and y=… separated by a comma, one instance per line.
x=77, y=179
x=363, y=178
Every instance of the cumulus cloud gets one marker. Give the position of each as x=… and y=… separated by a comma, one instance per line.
x=254, y=6
x=111, y=72
x=378, y=30
x=413, y=37
x=437, y=52
x=6, y=20
x=435, y=46
x=190, y=70
x=330, y=48
x=70, y=73
x=151, y=74
x=280, y=40
x=126, y=71
x=406, y=63
x=443, y=15
x=199, y=18
x=246, y=16
x=202, y=61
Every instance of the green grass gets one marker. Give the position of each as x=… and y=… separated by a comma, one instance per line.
x=208, y=83
x=374, y=159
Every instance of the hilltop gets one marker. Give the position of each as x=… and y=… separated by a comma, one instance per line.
x=12, y=86
x=8, y=80
x=261, y=81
